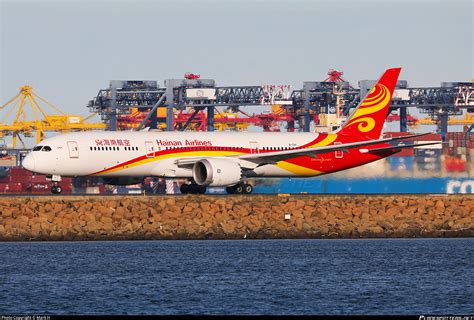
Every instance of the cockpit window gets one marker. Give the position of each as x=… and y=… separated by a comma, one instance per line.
x=37, y=148
x=46, y=148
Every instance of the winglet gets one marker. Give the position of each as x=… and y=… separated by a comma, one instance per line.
x=368, y=118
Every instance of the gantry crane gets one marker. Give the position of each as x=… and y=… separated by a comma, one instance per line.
x=42, y=122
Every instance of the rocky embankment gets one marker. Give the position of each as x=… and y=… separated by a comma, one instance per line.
x=235, y=217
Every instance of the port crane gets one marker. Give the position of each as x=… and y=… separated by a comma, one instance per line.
x=323, y=103
x=15, y=121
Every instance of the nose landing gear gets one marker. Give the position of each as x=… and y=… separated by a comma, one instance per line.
x=56, y=188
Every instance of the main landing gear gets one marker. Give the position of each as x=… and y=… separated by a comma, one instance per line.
x=192, y=188
x=240, y=188
x=56, y=188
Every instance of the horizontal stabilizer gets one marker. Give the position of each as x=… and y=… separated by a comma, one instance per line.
x=398, y=148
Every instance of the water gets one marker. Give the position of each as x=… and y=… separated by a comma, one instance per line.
x=404, y=276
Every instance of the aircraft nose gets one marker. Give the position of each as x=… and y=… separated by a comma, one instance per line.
x=29, y=162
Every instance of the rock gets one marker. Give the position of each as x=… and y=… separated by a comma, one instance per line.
x=108, y=226
x=393, y=212
x=375, y=230
x=35, y=230
x=22, y=219
x=106, y=220
x=440, y=204
x=233, y=216
x=6, y=212
x=299, y=204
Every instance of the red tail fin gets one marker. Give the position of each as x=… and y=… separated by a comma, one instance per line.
x=368, y=118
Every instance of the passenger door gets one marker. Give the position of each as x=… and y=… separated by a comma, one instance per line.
x=253, y=147
x=73, y=149
x=338, y=154
x=150, y=150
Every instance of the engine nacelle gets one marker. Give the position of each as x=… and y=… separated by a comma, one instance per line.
x=216, y=172
x=122, y=181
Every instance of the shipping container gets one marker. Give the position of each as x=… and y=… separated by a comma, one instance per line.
x=18, y=171
x=364, y=186
x=407, y=152
x=429, y=166
x=41, y=188
x=471, y=153
x=454, y=164
x=421, y=160
x=461, y=150
x=400, y=163
x=430, y=137
x=11, y=187
x=428, y=152
x=396, y=134
x=38, y=179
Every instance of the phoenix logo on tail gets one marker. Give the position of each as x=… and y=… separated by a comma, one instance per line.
x=369, y=117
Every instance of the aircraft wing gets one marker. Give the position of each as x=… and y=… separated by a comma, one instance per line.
x=275, y=156
x=272, y=157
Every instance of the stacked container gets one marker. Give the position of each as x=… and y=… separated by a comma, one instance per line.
x=458, y=151
x=22, y=181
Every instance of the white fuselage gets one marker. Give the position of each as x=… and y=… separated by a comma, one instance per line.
x=154, y=153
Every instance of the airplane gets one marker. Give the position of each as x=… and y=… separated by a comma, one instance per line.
x=222, y=159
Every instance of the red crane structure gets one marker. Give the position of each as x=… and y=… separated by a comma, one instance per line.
x=334, y=76
x=191, y=76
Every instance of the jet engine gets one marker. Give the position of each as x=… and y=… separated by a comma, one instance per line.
x=123, y=181
x=216, y=172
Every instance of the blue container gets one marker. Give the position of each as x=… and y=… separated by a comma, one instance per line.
x=429, y=166
x=401, y=163
x=325, y=185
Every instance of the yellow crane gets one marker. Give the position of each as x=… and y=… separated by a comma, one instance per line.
x=41, y=122
x=468, y=119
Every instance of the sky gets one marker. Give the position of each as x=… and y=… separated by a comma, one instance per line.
x=68, y=50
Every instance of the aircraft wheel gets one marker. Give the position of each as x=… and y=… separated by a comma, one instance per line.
x=56, y=189
x=239, y=189
x=230, y=190
x=247, y=188
x=201, y=189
